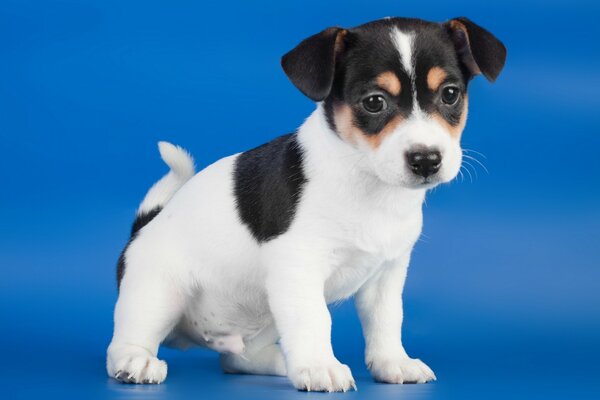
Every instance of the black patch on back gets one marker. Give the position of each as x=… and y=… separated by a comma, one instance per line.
x=140, y=221
x=268, y=182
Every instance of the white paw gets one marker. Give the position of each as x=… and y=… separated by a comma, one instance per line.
x=331, y=376
x=131, y=364
x=401, y=370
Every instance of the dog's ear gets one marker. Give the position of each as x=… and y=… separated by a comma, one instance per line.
x=479, y=50
x=311, y=65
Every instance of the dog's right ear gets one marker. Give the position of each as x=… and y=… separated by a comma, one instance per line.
x=311, y=65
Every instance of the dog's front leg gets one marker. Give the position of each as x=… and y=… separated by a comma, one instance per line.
x=295, y=286
x=379, y=304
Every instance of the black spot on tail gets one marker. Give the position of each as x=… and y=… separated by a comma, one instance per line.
x=268, y=185
x=140, y=221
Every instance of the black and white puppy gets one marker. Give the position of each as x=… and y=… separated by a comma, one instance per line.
x=244, y=256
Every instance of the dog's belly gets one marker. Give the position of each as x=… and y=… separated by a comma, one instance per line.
x=223, y=320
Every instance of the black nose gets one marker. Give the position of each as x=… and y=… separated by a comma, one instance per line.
x=424, y=162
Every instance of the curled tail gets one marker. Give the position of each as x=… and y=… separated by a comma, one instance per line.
x=182, y=169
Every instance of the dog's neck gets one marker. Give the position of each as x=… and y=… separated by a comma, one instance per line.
x=330, y=159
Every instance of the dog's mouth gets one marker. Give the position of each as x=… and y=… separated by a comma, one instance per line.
x=426, y=182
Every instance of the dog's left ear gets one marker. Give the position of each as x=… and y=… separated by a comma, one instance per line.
x=311, y=65
x=479, y=50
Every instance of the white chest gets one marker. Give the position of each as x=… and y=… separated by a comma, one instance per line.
x=363, y=234
x=369, y=246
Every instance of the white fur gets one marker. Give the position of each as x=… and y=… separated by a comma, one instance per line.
x=419, y=130
x=196, y=276
x=404, y=43
x=182, y=169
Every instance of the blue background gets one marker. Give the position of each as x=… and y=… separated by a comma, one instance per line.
x=503, y=297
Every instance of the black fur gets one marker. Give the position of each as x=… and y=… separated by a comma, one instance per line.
x=311, y=65
x=434, y=48
x=481, y=48
x=369, y=53
x=140, y=221
x=359, y=55
x=268, y=185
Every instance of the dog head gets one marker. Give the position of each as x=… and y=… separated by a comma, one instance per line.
x=396, y=90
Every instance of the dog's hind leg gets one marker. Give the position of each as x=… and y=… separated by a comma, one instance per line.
x=262, y=356
x=148, y=308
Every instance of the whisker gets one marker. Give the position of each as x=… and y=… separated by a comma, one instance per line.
x=462, y=176
x=472, y=166
x=468, y=172
x=477, y=161
x=476, y=152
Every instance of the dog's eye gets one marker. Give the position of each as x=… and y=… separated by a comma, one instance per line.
x=374, y=103
x=450, y=95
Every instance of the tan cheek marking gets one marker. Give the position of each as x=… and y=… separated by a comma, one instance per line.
x=344, y=122
x=435, y=77
x=376, y=140
x=455, y=131
x=390, y=82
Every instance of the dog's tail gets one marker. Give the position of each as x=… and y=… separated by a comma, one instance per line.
x=182, y=169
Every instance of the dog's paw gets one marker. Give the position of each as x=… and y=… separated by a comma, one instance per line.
x=331, y=376
x=131, y=364
x=401, y=370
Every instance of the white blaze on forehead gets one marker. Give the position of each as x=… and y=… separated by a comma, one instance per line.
x=404, y=43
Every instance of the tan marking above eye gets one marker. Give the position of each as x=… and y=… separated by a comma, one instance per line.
x=389, y=82
x=435, y=77
x=348, y=131
x=454, y=130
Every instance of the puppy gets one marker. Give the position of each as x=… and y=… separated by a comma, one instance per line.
x=244, y=256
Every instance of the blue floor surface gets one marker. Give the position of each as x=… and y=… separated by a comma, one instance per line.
x=506, y=311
